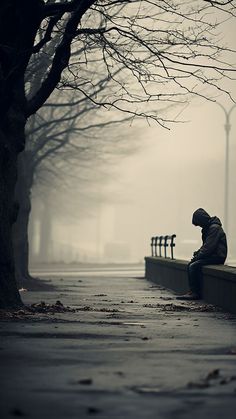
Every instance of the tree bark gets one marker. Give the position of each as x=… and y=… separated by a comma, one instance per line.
x=9, y=295
x=20, y=228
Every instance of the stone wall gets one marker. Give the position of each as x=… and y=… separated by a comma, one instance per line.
x=219, y=282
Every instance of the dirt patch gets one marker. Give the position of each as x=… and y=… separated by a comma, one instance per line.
x=181, y=307
x=34, y=309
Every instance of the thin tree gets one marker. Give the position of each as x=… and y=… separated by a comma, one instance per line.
x=60, y=133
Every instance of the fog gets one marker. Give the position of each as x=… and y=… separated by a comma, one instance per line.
x=153, y=192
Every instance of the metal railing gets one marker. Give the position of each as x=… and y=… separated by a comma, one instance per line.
x=163, y=241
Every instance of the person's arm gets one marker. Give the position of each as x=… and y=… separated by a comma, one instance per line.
x=210, y=243
x=194, y=257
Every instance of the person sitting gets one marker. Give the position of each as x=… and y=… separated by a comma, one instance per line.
x=212, y=252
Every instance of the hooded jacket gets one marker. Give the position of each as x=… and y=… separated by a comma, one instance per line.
x=214, y=243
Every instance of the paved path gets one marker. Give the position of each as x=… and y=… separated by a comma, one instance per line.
x=127, y=352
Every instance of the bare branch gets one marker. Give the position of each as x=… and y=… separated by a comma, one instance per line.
x=61, y=57
x=52, y=9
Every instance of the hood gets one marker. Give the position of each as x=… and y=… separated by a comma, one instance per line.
x=215, y=220
x=201, y=218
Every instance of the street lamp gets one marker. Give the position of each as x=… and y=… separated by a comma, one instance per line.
x=227, y=127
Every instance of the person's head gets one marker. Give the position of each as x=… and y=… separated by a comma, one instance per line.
x=200, y=218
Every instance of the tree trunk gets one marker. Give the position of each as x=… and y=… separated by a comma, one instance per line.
x=9, y=295
x=19, y=24
x=20, y=228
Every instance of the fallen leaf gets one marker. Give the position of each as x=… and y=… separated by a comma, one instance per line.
x=86, y=381
x=212, y=375
x=93, y=410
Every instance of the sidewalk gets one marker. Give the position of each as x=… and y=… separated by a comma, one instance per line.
x=129, y=351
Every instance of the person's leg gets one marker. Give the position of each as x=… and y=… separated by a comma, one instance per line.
x=195, y=276
x=194, y=271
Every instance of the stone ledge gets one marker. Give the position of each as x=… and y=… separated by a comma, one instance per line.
x=228, y=273
x=174, y=263
x=219, y=281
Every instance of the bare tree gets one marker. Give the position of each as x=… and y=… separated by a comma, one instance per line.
x=164, y=48
x=59, y=137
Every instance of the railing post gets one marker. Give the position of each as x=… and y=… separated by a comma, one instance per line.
x=152, y=245
x=172, y=245
x=155, y=243
x=162, y=241
x=160, y=244
x=165, y=244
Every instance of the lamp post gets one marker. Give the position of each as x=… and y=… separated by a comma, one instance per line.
x=227, y=127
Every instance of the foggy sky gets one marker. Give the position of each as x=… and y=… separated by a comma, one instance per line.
x=156, y=190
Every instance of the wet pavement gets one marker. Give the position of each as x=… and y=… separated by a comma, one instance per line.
x=129, y=350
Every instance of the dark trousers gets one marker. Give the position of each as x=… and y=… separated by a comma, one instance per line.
x=195, y=272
